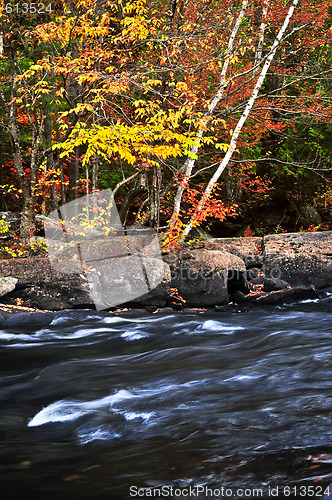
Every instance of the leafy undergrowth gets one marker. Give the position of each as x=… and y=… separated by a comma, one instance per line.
x=16, y=249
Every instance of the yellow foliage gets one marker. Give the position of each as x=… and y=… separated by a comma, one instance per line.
x=221, y=146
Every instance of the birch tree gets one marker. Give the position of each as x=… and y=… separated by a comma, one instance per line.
x=224, y=82
x=243, y=118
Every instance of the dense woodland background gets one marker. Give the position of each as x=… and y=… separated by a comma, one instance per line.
x=203, y=112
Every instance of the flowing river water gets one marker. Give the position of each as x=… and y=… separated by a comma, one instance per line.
x=213, y=405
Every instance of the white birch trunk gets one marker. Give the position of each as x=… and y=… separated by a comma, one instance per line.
x=259, y=51
x=242, y=120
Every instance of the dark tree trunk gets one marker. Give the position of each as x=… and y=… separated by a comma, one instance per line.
x=50, y=159
x=154, y=195
x=27, y=220
x=2, y=200
x=28, y=224
x=95, y=168
x=73, y=92
x=129, y=198
x=73, y=175
x=59, y=164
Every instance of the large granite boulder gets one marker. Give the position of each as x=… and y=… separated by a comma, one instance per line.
x=248, y=249
x=299, y=258
x=40, y=286
x=269, y=284
x=286, y=296
x=133, y=282
x=201, y=276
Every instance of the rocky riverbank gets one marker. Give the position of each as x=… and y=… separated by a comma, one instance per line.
x=270, y=270
x=276, y=269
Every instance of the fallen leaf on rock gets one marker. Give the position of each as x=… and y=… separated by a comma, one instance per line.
x=13, y=308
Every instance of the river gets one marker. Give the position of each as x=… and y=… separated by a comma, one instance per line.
x=232, y=404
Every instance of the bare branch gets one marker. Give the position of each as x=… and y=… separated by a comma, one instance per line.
x=119, y=184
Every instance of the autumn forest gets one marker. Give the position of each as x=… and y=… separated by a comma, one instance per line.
x=196, y=113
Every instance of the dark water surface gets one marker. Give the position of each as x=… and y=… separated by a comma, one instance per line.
x=215, y=400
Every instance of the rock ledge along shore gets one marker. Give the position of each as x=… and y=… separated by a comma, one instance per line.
x=272, y=270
